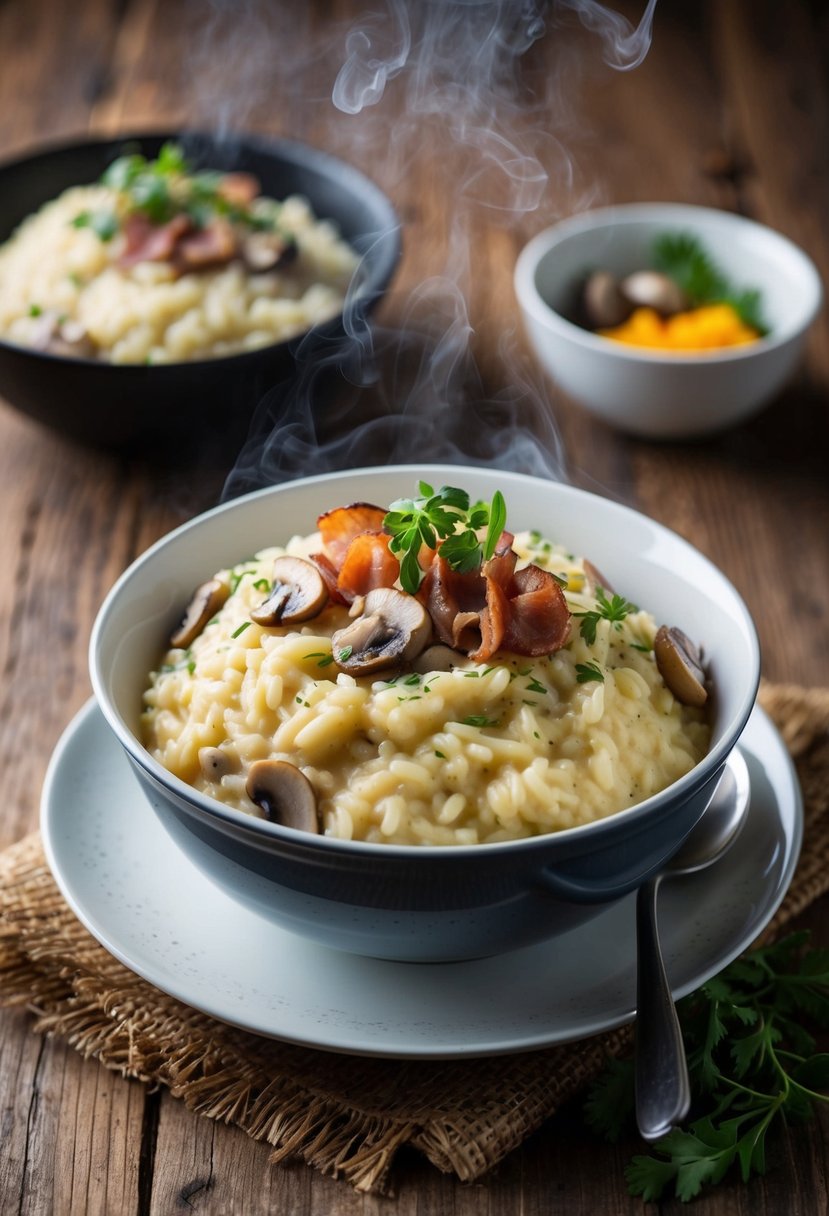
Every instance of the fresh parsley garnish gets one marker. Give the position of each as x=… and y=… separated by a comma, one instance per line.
x=447, y=516
x=323, y=658
x=752, y=1064
x=169, y=185
x=345, y=654
x=614, y=609
x=479, y=720
x=103, y=223
x=681, y=256
x=589, y=671
x=236, y=578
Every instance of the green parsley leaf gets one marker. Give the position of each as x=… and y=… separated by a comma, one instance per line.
x=682, y=257
x=752, y=1066
x=345, y=654
x=479, y=720
x=35, y=310
x=589, y=671
x=445, y=516
x=103, y=223
x=614, y=610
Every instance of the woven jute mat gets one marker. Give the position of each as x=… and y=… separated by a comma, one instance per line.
x=346, y=1116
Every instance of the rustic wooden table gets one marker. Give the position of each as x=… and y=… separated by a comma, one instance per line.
x=730, y=108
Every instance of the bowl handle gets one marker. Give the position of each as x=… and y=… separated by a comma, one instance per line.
x=598, y=891
x=591, y=892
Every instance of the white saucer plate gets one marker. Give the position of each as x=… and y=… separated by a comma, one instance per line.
x=138, y=894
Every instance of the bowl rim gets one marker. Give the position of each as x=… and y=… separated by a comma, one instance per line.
x=628, y=214
x=294, y=150
x=232, y=820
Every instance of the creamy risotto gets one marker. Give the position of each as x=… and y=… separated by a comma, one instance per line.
x=160, y=264
x=444, y=747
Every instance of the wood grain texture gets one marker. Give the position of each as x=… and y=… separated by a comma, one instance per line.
x=731, y=109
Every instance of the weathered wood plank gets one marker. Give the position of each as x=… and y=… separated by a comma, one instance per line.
x=729, y=109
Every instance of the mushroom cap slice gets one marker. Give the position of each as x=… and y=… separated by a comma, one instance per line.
x=437, y=658
x=394, y=628
x=651, y=289
x=284, y=793
x=214, y=762
x=205, y=603
x=594, y=578
x=263, y=251
x=604, y=305
x=680, y=665
x=298, y=593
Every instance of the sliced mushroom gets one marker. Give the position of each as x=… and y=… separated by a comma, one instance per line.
x=206, y=602
x=594, y=578
x=262, y=251
x=62, y=337
x=650, y=289
x=436, y=658
x=393, y=629
x=680, y=665
x=603, y=302
x=284, y=793
x=298, y=593
x=215, y=763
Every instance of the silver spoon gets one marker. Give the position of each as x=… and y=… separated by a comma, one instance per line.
x=663, y=1092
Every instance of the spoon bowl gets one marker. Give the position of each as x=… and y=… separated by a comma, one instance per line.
x=663, y=1092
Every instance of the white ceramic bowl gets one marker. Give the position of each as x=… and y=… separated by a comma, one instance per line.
x=650, y=393
x=426, y=902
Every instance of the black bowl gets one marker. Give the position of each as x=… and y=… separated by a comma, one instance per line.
x=130, y=406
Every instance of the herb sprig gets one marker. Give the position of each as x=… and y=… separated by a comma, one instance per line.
x=614, y=610
x=752, y=1064
x=168, y=186
x=681, y=256
x=446, y=515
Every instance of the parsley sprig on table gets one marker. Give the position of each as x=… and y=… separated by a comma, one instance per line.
x=614, y=610
x=752, y=1063
x=447, y=515
x=682, y=258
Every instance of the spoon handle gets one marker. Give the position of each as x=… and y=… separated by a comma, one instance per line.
x=663, y=1091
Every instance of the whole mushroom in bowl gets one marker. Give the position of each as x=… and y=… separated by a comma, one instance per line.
x=582, y=283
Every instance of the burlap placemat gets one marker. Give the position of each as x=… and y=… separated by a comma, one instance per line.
x=344, y=1115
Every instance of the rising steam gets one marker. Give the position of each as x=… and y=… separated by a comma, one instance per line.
x=453, y=91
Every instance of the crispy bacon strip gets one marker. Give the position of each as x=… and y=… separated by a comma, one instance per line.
x=148, y=242
x=212, y=245
x=368, y=564
x=339, y=527
x=329, y=576
x=239, y=189
x=499, y=608
x=539, y=619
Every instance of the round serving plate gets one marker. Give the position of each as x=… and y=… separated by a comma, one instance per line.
x=143, y=900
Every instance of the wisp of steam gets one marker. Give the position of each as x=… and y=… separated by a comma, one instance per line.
x=413, y=388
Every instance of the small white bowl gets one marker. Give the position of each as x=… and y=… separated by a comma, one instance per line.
x=651, y=393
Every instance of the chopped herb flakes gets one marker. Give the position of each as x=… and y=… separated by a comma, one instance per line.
x=479, y=720
x=235, y=579
x=103, y=223
x=614, y=610
x=324, y=659
x=589, y=671
x=237, y=632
